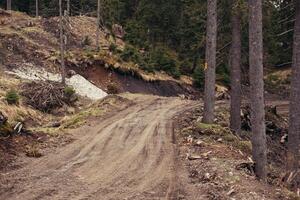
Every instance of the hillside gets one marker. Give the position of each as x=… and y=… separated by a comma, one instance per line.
x=29, y=51
x=28, y=42
x=130, y=121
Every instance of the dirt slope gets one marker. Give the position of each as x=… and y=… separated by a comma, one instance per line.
x=131, y=155
x=27, y=42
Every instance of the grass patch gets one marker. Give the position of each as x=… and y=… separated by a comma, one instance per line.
x=71, y=122
x=217, y=132
x=12, y=97
x=80, y=118
x=12, y=107
x=208, y=126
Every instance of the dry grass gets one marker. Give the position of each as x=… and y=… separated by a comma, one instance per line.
x=16, y=113
x=33, y=150
x=39, y=38
x=94, y=110
x=221, y=134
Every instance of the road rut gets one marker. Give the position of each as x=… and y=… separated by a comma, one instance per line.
x=130, y=155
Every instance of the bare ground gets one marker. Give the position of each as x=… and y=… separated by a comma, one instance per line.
x=140, y=152
x=130, y=155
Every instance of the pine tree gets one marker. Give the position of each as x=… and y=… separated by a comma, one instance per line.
x=235, y=69
x=294, y=126
x=210, y=65
x=257, y=88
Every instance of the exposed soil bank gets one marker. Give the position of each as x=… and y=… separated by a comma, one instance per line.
x=102, y=77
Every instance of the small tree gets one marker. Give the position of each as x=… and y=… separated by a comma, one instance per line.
x=36, y=8
x=68, y=8
x=98, y=25
x=12, y=97
x=62, y=44
x=8, y=5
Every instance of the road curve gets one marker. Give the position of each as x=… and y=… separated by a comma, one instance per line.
x=130, y=155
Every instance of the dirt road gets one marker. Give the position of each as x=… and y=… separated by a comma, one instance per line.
x=130, y=155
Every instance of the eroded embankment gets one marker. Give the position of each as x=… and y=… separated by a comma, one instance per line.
x=129, y=82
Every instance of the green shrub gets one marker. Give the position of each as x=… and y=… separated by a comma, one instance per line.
x=112, y=88
x=199, y=77
x=156, y=59
x=226, y=80
x=136, y=33
x=186, y=67
x=12, y=97
x=69, y=92
x=223, y=74
x=87, y=41
x=113, y=47
x=145, y=63
x=161, y=60
x=130, y=54
x=273, y=78
x=89, y=54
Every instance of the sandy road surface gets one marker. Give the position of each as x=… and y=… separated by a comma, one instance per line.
x=131, y=155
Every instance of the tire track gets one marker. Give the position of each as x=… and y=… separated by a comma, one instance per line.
x=130, y=155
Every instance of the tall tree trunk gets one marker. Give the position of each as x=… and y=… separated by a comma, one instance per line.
x=62, y=44
x=257, y=88
x=98, y=26
x=8, y=5
x=294, y=127
x=210, y=71
x=235, y=70
x=36, y=8
x=68, y=8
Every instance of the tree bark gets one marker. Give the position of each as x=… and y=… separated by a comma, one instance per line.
x=257, y=88
x=68, y=7
x=62, y=44
x=235, y=70
x=36, y=8
x=210, y=71
x=8, y=5
x=98, y=26
x=294, y=126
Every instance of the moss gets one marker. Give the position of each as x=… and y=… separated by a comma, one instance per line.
x=230, y=138
x=291, y=195
x=215, y=132
x=244, y=146
x=50, y=131
x=6, y=130
x=207, y=126
x=80, y=118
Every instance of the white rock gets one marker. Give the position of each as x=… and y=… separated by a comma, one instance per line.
x=81, y=85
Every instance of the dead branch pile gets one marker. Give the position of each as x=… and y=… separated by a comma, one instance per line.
x=275, y=124
x=45, y=96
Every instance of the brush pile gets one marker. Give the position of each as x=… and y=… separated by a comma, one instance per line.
x=46, y=96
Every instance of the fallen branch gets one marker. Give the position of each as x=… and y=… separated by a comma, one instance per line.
x=45, y=96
